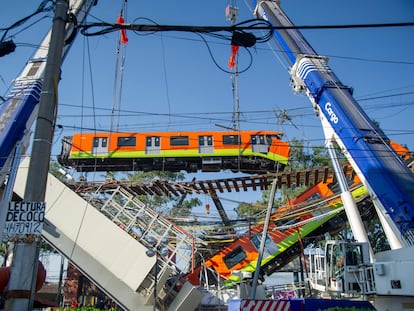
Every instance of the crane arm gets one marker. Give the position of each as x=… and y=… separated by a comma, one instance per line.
x=388, y=179
x=19, y=110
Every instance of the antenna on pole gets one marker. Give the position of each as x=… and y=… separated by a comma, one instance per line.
x=232, y=12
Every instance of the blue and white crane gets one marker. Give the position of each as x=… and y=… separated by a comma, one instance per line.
x=348, y=267
x=18, y=111
x=390, y=182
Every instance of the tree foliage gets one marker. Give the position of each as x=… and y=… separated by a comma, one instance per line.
x=183, y=208
x=166, y=205
x=376, y=235
x=246, y=210
x=301, y=157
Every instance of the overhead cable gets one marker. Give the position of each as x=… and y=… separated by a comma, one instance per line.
x=252, y=24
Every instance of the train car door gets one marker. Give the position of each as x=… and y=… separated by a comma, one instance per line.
x=205, y=144
x=100, y=146
x=259, y=143
x=152, y=145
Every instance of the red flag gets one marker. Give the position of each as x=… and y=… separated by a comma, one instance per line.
x=234, y=50
x=124, y=38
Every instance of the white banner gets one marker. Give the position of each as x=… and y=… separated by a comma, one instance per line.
x=24, y=218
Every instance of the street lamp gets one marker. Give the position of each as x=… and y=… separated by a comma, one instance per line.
x=157, y=250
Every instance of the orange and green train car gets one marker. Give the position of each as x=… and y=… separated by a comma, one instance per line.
x=245, y=151
x=314, y=212
x=310, y=215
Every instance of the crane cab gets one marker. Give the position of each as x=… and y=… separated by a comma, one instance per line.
x=343, y=268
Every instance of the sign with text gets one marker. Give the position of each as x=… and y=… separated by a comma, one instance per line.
x=24, y=218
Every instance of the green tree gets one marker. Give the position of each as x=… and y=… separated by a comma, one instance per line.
x=110, y=175
x=320, y=156
x=165, y=205
x=183, y=208
x=300, y=158
x=247, y=210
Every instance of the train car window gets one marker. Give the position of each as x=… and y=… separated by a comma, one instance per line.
x=231, y=139
x=274, y=136
x=233, y=258
x=260, y=140
x=270, y=246
x=269, y=139
x=95, y=142
x=259, y=143
x=179, y=141
x=313, y=197
x=153, y=141
x=127, y=141
x=100, y=142
x=334, y=187
x=205, y=140
x=354, y=255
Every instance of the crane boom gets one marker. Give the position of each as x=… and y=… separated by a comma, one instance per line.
x=19, y=110
x=388, y=179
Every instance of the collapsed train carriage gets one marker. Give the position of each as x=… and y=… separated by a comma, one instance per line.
x=304, y=219
x=314, y=212
x=244, y=151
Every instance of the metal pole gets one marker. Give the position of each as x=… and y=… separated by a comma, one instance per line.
x=351, y=209
x=23, y=271
x=192, y=253
x=59, y=295
x=303, y=258
x=155, y=280
x=263, y=240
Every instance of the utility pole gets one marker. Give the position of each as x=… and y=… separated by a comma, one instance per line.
x=263, y=239
x=23, y=271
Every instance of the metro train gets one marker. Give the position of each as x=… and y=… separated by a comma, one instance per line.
x=244, y=151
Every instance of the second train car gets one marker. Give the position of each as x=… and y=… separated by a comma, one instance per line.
x=313, y=213
x=244, y=151
x=306, y=218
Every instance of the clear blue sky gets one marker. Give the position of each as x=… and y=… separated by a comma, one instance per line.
x=171, y=83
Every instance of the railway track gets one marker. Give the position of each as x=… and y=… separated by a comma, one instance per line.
x=235, y=184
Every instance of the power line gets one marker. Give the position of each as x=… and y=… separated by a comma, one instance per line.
x=251, y=25
x=387, y=96
x=41, y=8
